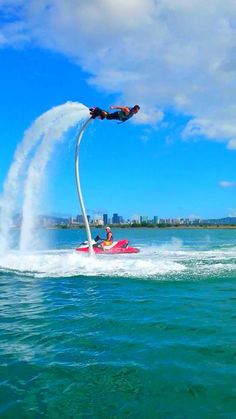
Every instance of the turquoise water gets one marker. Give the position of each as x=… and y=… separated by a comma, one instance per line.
x=130, y=336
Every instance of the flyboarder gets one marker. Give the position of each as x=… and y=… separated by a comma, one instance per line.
x=122, y=114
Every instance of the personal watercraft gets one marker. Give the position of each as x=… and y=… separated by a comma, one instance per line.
x=114, y=248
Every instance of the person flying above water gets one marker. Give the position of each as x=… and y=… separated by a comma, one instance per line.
x=122, y=114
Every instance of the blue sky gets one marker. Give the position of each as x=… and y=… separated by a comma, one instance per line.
x=177, y=159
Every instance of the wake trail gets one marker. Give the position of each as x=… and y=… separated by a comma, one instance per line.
x=152, y=262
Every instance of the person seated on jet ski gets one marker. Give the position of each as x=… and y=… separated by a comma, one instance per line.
x=109, y=238
x=122, y=114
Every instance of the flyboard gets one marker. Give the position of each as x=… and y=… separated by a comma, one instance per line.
x=93, y=246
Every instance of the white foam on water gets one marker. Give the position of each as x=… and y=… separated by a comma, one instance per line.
x=70, y=263
x=152, y=262
x=180, y=252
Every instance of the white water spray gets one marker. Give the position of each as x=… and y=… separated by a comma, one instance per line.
x=32, y=156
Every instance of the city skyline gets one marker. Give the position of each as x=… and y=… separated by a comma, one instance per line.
x=118, y=220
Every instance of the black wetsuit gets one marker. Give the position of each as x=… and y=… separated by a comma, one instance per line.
x=111, y=237
x=120, y=115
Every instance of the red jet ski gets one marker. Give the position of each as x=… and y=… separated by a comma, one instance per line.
x=114, y=248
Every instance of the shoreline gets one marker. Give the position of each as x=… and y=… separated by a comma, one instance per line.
x=207, y=227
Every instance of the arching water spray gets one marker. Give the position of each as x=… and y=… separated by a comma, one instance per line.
x=32, y=156
x=68, y=116
x=13, y=183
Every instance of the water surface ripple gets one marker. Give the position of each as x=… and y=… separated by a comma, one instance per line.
x=142, y=341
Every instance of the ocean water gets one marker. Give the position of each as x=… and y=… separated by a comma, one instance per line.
x=150, y=335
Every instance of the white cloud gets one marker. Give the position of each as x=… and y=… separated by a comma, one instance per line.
x=227, y=184
x=163, y=54
x=232, y=144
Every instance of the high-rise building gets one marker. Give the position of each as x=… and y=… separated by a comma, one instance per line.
x=156, y=219
x=70, y=220
x=105, y=219
x=80, y=219
x=115, y=219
